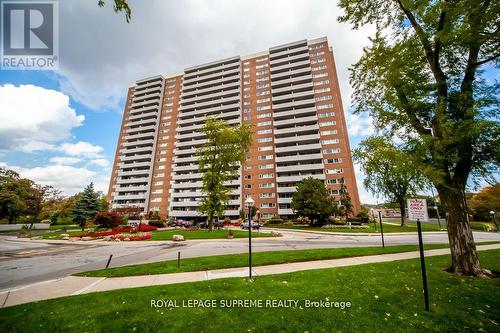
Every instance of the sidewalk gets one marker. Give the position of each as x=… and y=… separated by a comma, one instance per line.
x=75, y=285
x=338, y=233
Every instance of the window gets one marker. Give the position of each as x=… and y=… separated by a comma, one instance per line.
x=248, y=176
x=246, y=96
x=261, y=59
x=319, y=83
x=246, y=63
x=262, y=86
x=262, y=108
x=248, y=167
x=334, y=171
x=329, y=132
x=246, y=69
x=324, y=106
x=317, y=54
x=327, y=123
x=171, y=86
x=247, y=186
x=262, y=93
x=247, y=89
x=317, y=46
x=264, y=115
x=246, y=83
x=163, y=159
x=262, y=72
x=318, y=68
x=261, y=66
x=266, y=195
x=326, y=115
x=323, y=98
x=160, y=167
x=265, y=157
x=246, y=76
x=266, y=185
x=165, y=137
x=330, y=141
x=315, y=76
x=164, y=144
x=334, y=192
x=156, y=200
x=262, y=79
x=159, y=175
x=167, y=111
x=266, y=215
x=321, y=90
x=332, y=160
x=266, y=175
x=246, y=103
x=247, y=110
x=158, y=191
x=263, y=100
x=335, y=181
x=266, y=166
x=266, y=148
x=265, y=123
x=158, y=182
x=267, y=205
x=331, y=151
x=166, y=118
x=247, y=118
x=163, y=152
x=266, y=131
x=269, y=139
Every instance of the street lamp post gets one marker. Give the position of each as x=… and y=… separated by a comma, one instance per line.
x=249, y=202
x=436, y=208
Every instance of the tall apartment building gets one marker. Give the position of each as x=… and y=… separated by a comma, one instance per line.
x=290, y=94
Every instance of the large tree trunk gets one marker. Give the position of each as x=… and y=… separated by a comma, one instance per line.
x=464, y=259
x=402, y=212
x=210, y=223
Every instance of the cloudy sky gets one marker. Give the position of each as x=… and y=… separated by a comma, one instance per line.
x=60, y=127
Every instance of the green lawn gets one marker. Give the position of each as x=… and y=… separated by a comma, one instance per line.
x=258, y=259
x=458, y=303
x=388, y=228
x=204, y=234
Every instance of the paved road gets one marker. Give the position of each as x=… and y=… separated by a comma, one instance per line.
x=24, y=262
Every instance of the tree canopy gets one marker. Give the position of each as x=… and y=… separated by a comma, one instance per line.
x=86, y=206
x=420, y=80
x=219, y=160
x=313, y=201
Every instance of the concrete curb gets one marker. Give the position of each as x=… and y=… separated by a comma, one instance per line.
x=354, y=233
x=75, y=285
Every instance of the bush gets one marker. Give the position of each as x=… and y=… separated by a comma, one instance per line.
x=146, y=227
x=355, y=220
x=108, y=219
x=159, y=224
x=274, y=220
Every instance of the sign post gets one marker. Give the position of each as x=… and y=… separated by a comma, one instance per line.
x=381, y=228
x=417, y=210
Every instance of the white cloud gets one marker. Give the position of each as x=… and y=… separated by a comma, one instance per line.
x=359, y=125
x=68, y=179
x=81, y=149
x=102, y=162
x=32, y=118
x=98, y=61
x=65, y=160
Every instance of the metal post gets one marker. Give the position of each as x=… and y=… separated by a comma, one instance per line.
x=250, y=242
x=437, y=208
x=422, y=265
x=381, y=228
x=178, y=259
x=109, y=261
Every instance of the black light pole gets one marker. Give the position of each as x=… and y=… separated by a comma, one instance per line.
x=249, y=202
x=422, y=265
x=381, y=228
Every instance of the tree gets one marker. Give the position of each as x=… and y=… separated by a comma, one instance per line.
x=86, y=206
x=421, y=81
x=390, y=172
x=18, y=196
x=313, y=201
x=119, y=6
x=487, y=200
x=11, y=206
x=108, y=219
x=345, y=200
x=219, y=160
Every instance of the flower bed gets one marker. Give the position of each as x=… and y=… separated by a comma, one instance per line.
x=334, y=226
x=117, y=231
x=131, y=237
x=97, y=234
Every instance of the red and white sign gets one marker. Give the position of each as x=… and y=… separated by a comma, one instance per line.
x=417, y=209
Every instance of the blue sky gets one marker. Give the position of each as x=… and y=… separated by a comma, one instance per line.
x=71, y=117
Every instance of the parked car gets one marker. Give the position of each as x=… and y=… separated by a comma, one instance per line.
x=255, y=225
x=217, y=224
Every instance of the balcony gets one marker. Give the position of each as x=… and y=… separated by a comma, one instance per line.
x=302, y=79
x=293, y=72
x=298, y=178
x=191, y=143
x=206, y=78
x=298, y=147
x=192, y=194
x=309, y=111
x=139, y=180
x=294, y=121
x=210, y=84
x=203, y=115
x=144, y=172
x=185, y=159
x=176, y=176
x=200, y=93
x=287, y=189
x=142, y=121
x=141, y=157
x=291, y=52
x=138, y=150
x=134, y=165
x=140, y=128
x=235, y=89
x=277, y=63
x=292, y=88
x=216, y=103
x=298, y=157
x=291, y=96
x=138, y=143
x=130, y=197
x=294, y=104
x=284, y=200
x=299, y=167
x=296, y=129
x=140, y=136
x=137, y=188
x=297, y=138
